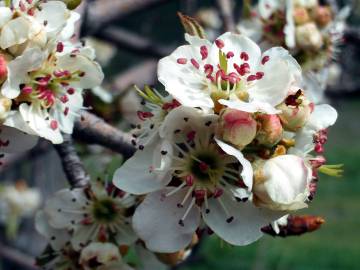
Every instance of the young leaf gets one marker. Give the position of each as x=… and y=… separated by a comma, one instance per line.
x=191, y=26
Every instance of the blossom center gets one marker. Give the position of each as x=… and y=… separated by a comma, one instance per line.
x=104, y=211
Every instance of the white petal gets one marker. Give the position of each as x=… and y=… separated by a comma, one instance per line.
x=246, y=225
x=93, y=72
x=289, y=29
x=267, y=7
x=247, y=170
x=70, y=203
x=251, y=107
x=273, y=88
x=18, y=69
x=237, y=44
x=322, y=117
x=17, y=140
x=148, y=259
x=147, y=170
x=125, y=236
x=185, y=119
x=156, y=221
x=5, y=15
x=57, y=237
x=39, y=120
x=55, y=14
x=183, y=81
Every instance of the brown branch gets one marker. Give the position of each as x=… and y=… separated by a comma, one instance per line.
x=72, y=165
x=140, y=74
x=226, y=12
x=20, y=259
x=132, y=42
x=94, y=130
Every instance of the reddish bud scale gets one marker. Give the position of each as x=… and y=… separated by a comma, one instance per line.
x=297, y=225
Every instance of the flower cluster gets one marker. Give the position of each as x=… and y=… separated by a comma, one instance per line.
x=85, y=228
x=16, y=202
x=234, y=145
x=42, y=73
x=310, y=30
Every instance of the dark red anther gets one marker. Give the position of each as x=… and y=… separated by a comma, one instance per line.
x=60, y=47
x=200, y=194
x=203, y=166
x=195, y=63
x=219, y=43
x=259, y=75
x=64, y=98
x=71, y=91
x=244, y=56
x=181, y=61
x=251, y=78
x=218, y=192
x=265, y=59
x=189, y=180
x=229, y=55
x=144, y=115
x=204, y=52
x=191, y=135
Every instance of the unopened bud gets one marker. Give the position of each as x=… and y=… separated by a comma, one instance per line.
x=296, y=225
x=308, y=36
x=237, y=127
x=301, y=15
x=323, y=15
x=270, y=131
x=72, y=4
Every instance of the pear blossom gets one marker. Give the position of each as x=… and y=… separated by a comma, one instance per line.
x=31, y=24
x=47, y=88
x=104, y=256
x=232, y=72
x=190, y=175
x=310, y=30
x=95, y=213
x=282, y=183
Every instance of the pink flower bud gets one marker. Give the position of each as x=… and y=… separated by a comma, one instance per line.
x=270, y=131
x=3, y=69
x=237, y=127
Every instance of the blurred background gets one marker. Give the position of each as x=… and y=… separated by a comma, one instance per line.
x=130, y=36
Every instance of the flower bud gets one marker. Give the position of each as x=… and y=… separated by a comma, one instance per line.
x=99, y=254
x=270, y=131
x=237, y=127
x=295, y=113
x=3, y=69
x=301, y=15
x=308, y=36
x=5, y=106
x=323, y=15
x=282, y=183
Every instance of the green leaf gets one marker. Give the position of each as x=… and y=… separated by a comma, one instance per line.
x=246, y=12
x=72, y=4
x=191, y=26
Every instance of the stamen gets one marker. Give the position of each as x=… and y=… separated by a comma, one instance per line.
x=187, y=195
x=203, y=52
x=230, y=218
x=172, y=192
x=265, y=59
x=195, y=63
x=181, y=61
x=219, y=43
x=244, y=56
x=181, y=221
